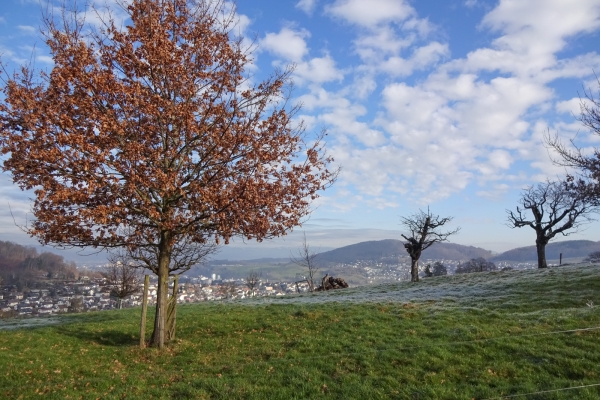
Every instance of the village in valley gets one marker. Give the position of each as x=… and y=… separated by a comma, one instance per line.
x=92, y=292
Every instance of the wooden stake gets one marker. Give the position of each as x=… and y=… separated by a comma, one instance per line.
x=172, y=311
x=144, y=309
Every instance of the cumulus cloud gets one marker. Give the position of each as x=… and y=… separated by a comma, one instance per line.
x=318, y=70
x=307, y=6
x=370, y=13
x=569, y=106
x=287, y=43
x=463, y=122
x=29, y=30
x=421, y=58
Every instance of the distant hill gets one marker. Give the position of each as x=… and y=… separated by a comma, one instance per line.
x=391, y=249
x=568, y=248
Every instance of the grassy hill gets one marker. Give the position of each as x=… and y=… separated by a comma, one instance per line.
x=481, y=335
x=577, y=249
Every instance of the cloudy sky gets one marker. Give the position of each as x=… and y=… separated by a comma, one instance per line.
x=439, y=103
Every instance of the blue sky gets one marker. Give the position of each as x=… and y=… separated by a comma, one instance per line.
x=439, y=103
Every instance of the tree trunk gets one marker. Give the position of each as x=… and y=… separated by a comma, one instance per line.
x=160, y=319
x=414, y=270
x=541, y=253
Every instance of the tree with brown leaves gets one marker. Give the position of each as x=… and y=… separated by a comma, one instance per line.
x=151, y=135
x=423, y=231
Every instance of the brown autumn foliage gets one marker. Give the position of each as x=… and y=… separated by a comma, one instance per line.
x=152, y=135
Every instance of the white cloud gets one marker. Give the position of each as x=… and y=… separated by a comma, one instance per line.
x=371, y=13
x=29, y=30
x=318, y=70
x=307, y=6
x=380, y=42
x=500, y=159
x=45, y=59
x=421, y=58
x=470, y=3
x=288, y=43
x=569, y=106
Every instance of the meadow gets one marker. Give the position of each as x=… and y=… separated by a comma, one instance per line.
x=517, y=334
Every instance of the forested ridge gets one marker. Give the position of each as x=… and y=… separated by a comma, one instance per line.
x=24, y=266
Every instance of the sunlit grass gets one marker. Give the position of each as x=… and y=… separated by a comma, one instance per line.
x=460, y=337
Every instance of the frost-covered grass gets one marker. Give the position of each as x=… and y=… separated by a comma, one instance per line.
x=460, y=337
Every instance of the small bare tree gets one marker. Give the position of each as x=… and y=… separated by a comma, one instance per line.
x=593, y=257
x=123, y=278
x=423, y=231
x=229, y=289
x=556, y=208
x=306, y=259
x=252, y=280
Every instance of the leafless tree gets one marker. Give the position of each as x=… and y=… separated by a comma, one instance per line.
x=593, y=257
x=252, y=280
x=550, y=208
x=424, y=229
x=306, y=259
x=229, y=289
x=123, y=278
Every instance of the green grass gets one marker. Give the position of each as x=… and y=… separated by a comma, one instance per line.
x=460, y=337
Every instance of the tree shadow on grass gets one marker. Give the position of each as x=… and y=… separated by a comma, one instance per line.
x=104, y=337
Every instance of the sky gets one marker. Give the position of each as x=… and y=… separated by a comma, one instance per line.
x=437, y=103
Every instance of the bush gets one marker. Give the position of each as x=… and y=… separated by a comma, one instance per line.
x=479, y=264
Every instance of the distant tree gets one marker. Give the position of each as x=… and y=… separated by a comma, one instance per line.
x=76, y=304
x=427, y=271
x=157, y=126
x=424, y=229
x=478, y=264
x=123, y=278
x=229, y=289
x=555, y=207
x=306, y=259
x=439, y=269
x=253, y=280
x=593, y=257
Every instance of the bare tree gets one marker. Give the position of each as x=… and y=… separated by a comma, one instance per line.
x=424, y=229
x=123, y=278
x=555, y=208
x=306, y=259
x=593, y=257
x=229, y=289
x=574, y=156
x=252, y=280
